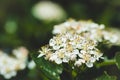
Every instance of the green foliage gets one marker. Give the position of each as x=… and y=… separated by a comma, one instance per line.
x=117, y=58
x=105, y=76
x=50, y=70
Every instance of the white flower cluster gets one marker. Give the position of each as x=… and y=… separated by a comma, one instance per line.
x=71, y=47
x=48, y=11
x=86, y=29
x=9, y=65
x=77, y=41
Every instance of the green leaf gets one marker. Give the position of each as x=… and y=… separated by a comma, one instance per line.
x=117, y=58
x=49, y=69
x=106, y=77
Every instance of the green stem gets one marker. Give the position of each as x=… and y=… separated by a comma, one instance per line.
x=74, y=74
x=106, y=63
x=68, y=69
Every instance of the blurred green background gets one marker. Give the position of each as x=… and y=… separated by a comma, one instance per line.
x=18, y=26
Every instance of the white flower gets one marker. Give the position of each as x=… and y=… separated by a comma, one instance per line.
x=9, y=75
x=20, y=52
x=87, y=29
x=31, y=64
x=57, y=42
x=79, y=62
x=110, y=37
x=55, y=58
x=9, y=65
x=89, y=64
x=48, y=11
x=77, y=26
x=58, y=29
x=77, y=41
x=44, y=51
x=116, y=33
x=66, y=47
x=89, y=60
x=97, y=54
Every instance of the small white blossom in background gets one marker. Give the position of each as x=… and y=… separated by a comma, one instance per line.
x=48, y=11
x=116, y=31
x=31, y=64
x=9, y=65
x=87, y=29
x=67, y=47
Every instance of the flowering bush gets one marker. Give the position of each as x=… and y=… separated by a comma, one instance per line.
x=55, y=49
x=76, y=47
